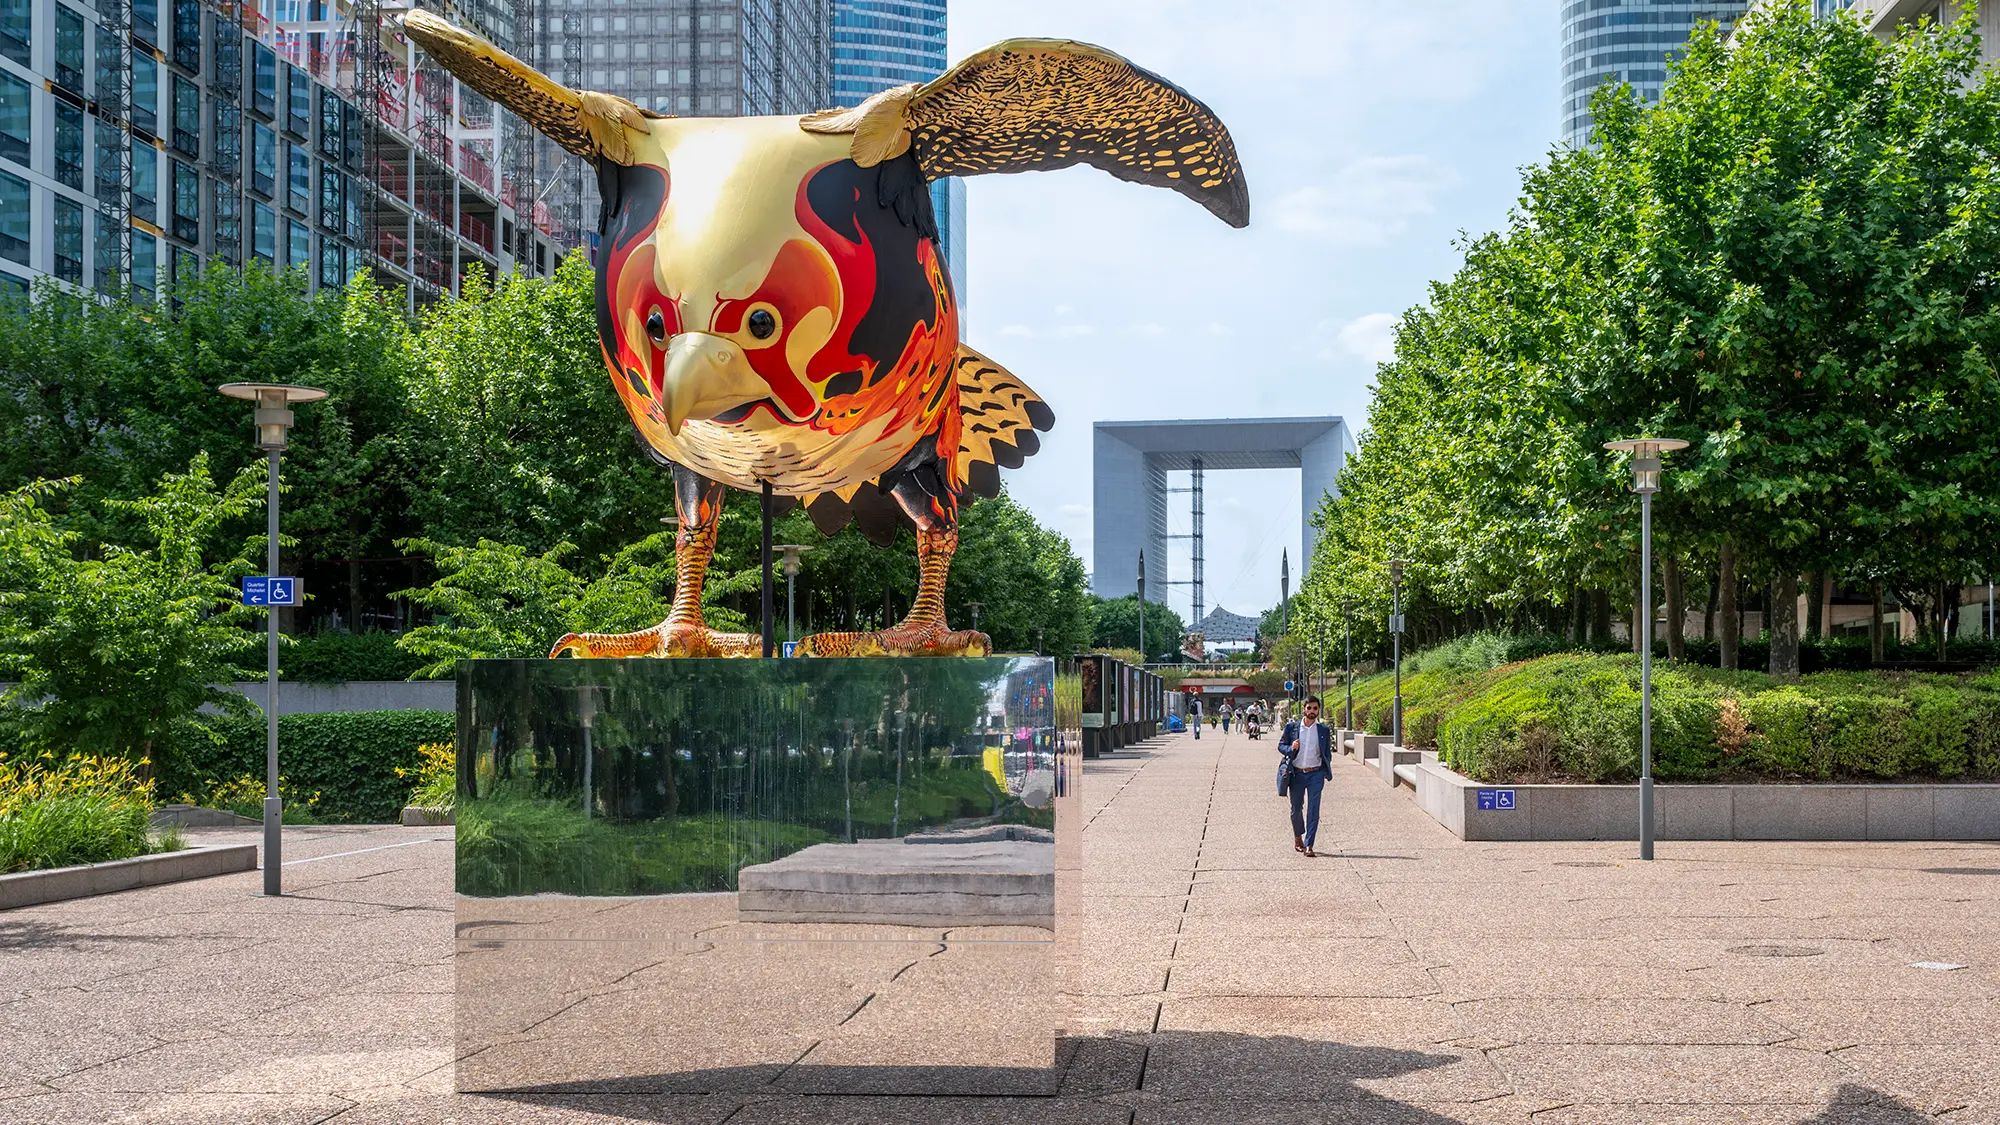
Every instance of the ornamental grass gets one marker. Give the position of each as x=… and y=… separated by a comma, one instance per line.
x=63, y=812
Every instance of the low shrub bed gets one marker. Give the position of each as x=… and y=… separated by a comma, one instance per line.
x=79, y=810
x=334, y=657
x=1575, y=717
x=349, y=759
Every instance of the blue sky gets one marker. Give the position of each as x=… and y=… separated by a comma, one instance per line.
x=1372, y=135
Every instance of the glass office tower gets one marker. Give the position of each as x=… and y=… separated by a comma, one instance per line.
x=878, y=44
x=1625, y=41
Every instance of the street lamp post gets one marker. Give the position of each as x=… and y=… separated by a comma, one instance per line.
x=273, y=421
x=1347, y=633
x=1396, y=641
x=974, y=606
x=1285, y=600
x=1646, y=481
x=791, y=551
x=1142, y=608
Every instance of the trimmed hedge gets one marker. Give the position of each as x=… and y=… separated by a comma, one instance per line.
x=349, y=757
x=1575, y=716
x=323, y=658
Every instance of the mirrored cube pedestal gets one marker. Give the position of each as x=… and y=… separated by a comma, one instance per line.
x=708, y=875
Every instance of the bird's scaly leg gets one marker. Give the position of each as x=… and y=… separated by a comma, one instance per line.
x=923, y=631
x=699, y=503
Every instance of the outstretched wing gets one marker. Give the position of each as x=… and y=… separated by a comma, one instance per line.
x=586, y=122
x=998, y=417
x=1028, y=104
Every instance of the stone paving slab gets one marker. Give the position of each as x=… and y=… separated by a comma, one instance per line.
x=1403, y=978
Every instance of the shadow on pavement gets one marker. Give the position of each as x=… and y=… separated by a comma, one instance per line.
x=1858, y=1105
x=1173, y=1066
x=46, y=935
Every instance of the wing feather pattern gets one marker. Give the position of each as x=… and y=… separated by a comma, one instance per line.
x=1029, y=104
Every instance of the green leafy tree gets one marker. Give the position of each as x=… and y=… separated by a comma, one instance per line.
x=1117, y=625
x=118, y=653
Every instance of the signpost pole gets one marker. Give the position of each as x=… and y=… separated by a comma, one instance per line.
x=273, y=803
x=1646, y=675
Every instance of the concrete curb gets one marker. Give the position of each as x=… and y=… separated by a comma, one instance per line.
x=194, y=816
x=423, y=816
x=29, y=888
x=1923, y=811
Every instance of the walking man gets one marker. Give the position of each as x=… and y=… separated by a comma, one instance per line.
x=1304, y=745
x=1225, y=718
x=1194, y=715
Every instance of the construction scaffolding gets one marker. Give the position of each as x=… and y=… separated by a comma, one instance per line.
x=113, y=251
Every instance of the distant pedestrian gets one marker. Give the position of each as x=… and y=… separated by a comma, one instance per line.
x=1194, y=715
x=1225, y=712
x=1305, y=748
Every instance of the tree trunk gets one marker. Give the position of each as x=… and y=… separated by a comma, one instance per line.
x=1708, y=612
x=1676, y=612
x=1784, y=627
x=1947, y=615
x=354, y=595
x=1825, y=594
x=1577, y=617
x=1600, y=616
x=1815, y=583
x=1875, y=638
x=1732, y=619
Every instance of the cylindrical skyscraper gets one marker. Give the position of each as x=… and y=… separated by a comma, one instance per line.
x=1625, y=41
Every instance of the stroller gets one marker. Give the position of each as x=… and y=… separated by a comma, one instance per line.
x=1253, y=724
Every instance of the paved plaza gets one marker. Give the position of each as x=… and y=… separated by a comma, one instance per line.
x=1406, y=978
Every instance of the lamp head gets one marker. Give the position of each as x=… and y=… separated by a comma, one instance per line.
x=1396, y=569
x=792, y=551
x=1646, y=459
x=273, y=418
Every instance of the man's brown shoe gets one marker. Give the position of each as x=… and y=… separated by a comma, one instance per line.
x=1298, y=843
x=1309, y=853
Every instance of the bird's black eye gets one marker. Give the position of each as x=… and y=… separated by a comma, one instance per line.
x=656, y=327
x=762, y=324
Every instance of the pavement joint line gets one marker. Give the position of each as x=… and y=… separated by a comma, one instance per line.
x=363, y=851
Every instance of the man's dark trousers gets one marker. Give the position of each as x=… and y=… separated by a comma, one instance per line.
x=1304, y=789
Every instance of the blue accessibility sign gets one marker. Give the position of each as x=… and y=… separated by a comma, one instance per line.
x=271, y=589
x=1496, y=800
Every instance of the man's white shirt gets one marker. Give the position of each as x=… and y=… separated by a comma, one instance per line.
x=1308, y=756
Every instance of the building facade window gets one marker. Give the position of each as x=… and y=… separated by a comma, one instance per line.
x=145, y=265
x=187, y=35
x=109, y=274
x=187, y=266
x=329, y=125
x=299, y=182
x=145, y=93
x=264, y=81
x=263, y=159
x=69, y=146
x=298, y=245
x=187, y=116
x=331, y=273
x=146, y=20
x=145, y=182
x=187, y=203
x=15, y=219
x=226, y=129
x=263, y=232
x=298, y=103
x=229, y=64
x=330, y=205
x=17, y=23
x=111, y=156
x=69, y=49
x=68, y=244
x=227, y=208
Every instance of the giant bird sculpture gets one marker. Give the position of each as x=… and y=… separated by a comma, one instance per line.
x=773, y=308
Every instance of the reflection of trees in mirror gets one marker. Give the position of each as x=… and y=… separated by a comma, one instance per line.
x=696, y=768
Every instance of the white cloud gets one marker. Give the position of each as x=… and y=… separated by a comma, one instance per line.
x=1367, y=202
x=1054, y=332
x=1371, y=338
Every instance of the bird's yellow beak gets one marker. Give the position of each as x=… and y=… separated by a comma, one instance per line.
x=706, y=375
